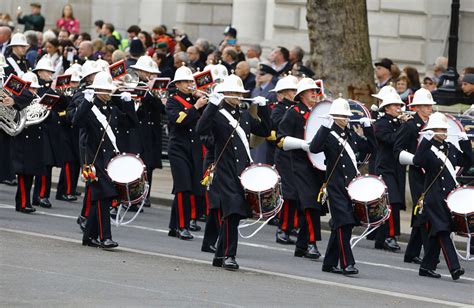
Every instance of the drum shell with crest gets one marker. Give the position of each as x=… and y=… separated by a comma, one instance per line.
x=460, y=203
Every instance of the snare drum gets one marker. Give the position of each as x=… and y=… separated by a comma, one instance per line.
x=127, y=171
x=262, y=188
x=460, y=203
x=368, y=194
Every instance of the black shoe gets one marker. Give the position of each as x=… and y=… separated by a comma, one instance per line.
x=273, y=222
x=416, y=260
x=147, y=203
x=217, y=262
x=76, y=193
x=108, y=243
x=391, y=244
x=184, y=234
x=173, y=233
x=13, y=182
x=311, y=252
x=371, y=236
x=28, y=209
x=35, y=202
x=193, y=226
x=81, y=221
x=91, y=242
x=44, y=202
x=350, y=270
x=428, y=273
x=208, y=248
x=66, y=198
x=455, y=274
x=332, y=269
x=283, y=238
x=230, y=264
x=295, y=232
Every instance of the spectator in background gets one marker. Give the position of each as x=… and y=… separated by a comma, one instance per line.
x=214, y=57
x=280, y=60
x=35, y=21
x=147, y=41
x=67, y=21
x=6, y=20
x=107, y=52
x=229, y=58
x=467, y=86
x=180, y=59
x=194, y=58
x=63, y=35
x=118, y=55
x=84, y=36
x=53, y=53
x=383, y=72
x=254, y=52
x=97, y=46
x=5, y=36
x=132, y=32
x=204, y=48
x=47, y=35
x=85, y=52
x=242, y=70
x=165, y=69
x=296, y=55
x=403, y=87
x=108, y=34
x=98, y=28
x=136, y=51
x=160, y=35
x=32, y=52
x=429, y=83
x=413, y=76
x=265, y=80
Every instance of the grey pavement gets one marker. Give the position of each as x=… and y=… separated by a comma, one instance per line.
x=43, y=264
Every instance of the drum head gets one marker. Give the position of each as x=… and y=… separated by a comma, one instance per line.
x=366, y=188
x=460, y=200
x=315, y=121
x=125, y=168
x=259, y=178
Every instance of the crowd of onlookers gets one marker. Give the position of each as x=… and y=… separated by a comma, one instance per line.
x=66, y=44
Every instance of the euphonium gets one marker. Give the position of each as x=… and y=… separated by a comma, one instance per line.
x=12, y=121
x=36, y=112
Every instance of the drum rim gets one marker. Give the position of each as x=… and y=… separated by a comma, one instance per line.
x=137, y=156
x=260, y=165
x=452, y=192
x=366, y=176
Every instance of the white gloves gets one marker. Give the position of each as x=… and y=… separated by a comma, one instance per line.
x=259, y=100
x=292, y=143
x=365, y=121
x=305, y=146
x=328, y=122
x=463, y=136
x=428, y=135
x=216, y=98
x=126, y=96
x=89, y=95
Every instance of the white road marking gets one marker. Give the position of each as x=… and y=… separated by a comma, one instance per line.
x=6, y=206
x=260, y=271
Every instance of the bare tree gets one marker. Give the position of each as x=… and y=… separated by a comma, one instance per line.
x=340, y=50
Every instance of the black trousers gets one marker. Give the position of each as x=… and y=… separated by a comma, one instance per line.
x=339, y=248
x=212, y=229
x=98, y=222
x=441, y=241
x=418, y=239
x=310, y=230
x=23, y=191
x=68, y=178
x=228, y=237
x=149, y=177
x=43, y=184
x=86, y=202
x=181, y=211
x=286, y=221
x=391, y=226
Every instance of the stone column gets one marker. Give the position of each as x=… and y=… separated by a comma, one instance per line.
x=248, y=17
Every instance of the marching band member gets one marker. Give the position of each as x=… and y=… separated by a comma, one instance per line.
x=438, y=158
x=149, y=113
x=184, y=151
x=18, y=65
x=404, y=148
x=99, y=116
x=307, y=179
x=286, y=90
x=393, y=174
x=231, y=128
x=339, y=145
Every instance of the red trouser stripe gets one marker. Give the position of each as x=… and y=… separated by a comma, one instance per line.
x=342, y=248
x=448, y=262
x=43, y=186
x=219, y=216
x=193, y=207
x=22, y=191
x=226, y=221
x=296, y=222
x=207, y=203
x=180, y=210
x=68, y=178
x=391, y=225
x=100, y=220
x=310, y=227
x=88, y=202
x=285, y=214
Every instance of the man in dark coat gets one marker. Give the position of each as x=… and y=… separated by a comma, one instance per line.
x=405, y=146
x=391, y=171
x=439, y=158
x=307, y=179
x=185, y=152
x=231, y=129
x=339, y=145
x=98, y=116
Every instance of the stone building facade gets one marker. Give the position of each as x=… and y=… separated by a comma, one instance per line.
x=411, y=32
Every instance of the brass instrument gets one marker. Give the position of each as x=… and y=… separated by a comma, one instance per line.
x=162, y=94
x=36, y=112
x=12, y=121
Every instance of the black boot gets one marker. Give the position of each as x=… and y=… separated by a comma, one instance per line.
x=283, y=238
x=230, y=264
x=428, y=273
x=184, y=234
x=193, y=226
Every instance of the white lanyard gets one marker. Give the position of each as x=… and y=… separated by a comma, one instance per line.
x=243, y=137
x=15, y=66
x=348, y=149
x=103, y=121
x=447, y=162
